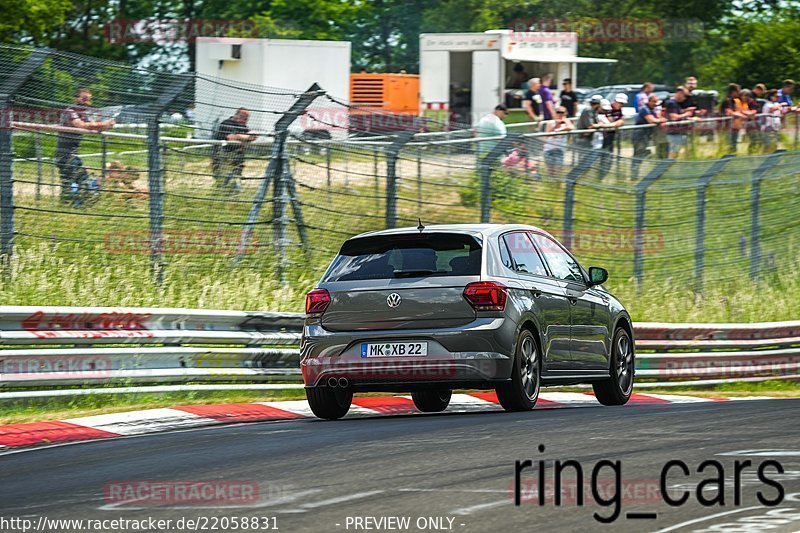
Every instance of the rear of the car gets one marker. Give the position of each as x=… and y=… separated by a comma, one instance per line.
x=404, y=311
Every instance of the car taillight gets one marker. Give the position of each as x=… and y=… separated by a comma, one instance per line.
x=317, y=302
x=486, y=295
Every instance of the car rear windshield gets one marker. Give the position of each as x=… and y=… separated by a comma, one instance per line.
x=407, y=256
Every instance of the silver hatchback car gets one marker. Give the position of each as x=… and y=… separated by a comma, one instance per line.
x=475, y=306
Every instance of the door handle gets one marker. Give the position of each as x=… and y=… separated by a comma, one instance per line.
x=536, y=292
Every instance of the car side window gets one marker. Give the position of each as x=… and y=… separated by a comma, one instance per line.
x=523, y=254
x=560, y=262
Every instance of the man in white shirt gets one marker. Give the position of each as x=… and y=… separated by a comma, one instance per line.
x=491, y=125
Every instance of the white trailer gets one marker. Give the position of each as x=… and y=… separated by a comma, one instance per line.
x=266, y=73
x=467, y=74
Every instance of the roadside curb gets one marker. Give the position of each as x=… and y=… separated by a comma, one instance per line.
x=147, y=421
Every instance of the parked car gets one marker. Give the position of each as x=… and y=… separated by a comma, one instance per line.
x=609, y=92
x=482, y=306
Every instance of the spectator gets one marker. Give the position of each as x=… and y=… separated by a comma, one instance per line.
x=568, y=98
x=491, y=125
x=588, y=121
x=749, y=110
x=647, y=116
x=678, y=111
x=760, y=95
x=532, y=101
x=555, y=145
x=691, y=98
x=548, y=106
x=771, y=121
x=231, y=129
x=732, y=107
x=70, y=166
x=610, y=120
x=518, y=77
x=643, y=96
x=785, y=95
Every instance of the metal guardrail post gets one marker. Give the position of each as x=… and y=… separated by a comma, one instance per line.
x=277, y=172
x=755, y=207
x=485, y=169
x=156, y=173
x=392, y=152
x=571, y=180
x=103, y=157
x=638, y=234
x=37, y=142
x=8, y=88
x=700, y=229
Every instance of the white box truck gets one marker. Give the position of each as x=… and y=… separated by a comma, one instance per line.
x=265, y=74
x=465, y=75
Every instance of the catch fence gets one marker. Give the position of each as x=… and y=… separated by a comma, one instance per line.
x=167, y=189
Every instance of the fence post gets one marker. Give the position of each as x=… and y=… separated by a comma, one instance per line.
x=103, y=157
x=6, y=183
x=571, y=179
x=485, y=168
x=156, y=173
x=700, y=228
x=638, y=234
x=37, y=142
x=8, y=88
x=755, y=207
x=277, y=173
x=392, y=152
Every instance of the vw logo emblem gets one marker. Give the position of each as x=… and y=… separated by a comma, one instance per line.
x=393, y=300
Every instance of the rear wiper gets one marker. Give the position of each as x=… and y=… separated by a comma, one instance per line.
x=413, y=273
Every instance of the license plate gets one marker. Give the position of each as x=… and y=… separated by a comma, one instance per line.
x=395, y=349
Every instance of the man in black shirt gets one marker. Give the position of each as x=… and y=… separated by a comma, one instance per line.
x=70, y=167
x=568, y=97
x=532, y=101
x=231, y=129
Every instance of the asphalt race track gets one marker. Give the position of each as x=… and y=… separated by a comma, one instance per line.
x=441, y=472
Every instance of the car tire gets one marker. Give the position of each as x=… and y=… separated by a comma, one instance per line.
x=617, y=389
x=432, y=401
x=329, y=403
x=522, y=391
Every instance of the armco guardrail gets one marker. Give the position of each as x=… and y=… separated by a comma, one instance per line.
x=54, y=346
x=75, y=345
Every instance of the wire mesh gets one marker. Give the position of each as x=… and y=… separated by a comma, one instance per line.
x=185, y=177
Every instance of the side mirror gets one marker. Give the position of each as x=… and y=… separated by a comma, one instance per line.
x=597, y=276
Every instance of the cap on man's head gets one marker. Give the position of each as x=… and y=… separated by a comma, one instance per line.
x=605, y=105
x=621, y=98
x=500, y=107
x=596, y=99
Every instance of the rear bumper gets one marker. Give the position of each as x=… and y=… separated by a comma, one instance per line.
x=475, y=354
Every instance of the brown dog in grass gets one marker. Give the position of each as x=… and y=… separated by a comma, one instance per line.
x=120, y=179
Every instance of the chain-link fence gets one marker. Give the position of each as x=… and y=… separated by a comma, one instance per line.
x=147, y=172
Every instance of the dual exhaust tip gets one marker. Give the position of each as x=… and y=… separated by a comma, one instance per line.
x=338, y=382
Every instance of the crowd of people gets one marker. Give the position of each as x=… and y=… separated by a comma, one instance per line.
x=758, y=114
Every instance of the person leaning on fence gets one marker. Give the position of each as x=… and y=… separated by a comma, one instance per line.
x=71, y=171
x=491, y=125
x=235, y=130
x=587, y=123
x=732, y=108
x=751, y=130
x=771, y=120
x=640, y=100
x=678, y=111
x=555, y=145
x=648, y=121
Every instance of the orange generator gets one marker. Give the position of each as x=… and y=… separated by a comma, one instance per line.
x=384, y=102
